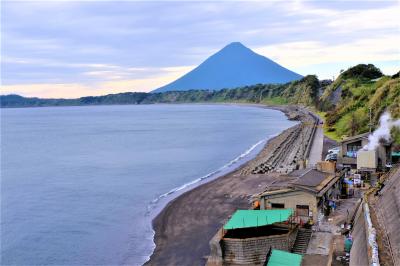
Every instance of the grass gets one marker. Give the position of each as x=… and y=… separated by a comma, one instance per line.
x=330, y=134
x=275, y=101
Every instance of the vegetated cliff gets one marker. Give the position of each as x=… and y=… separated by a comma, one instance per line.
x=356, y=92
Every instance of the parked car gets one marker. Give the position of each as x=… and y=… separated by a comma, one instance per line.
x=335, y=150
x=331, y=157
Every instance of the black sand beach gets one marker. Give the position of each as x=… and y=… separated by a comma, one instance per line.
x=185, y=226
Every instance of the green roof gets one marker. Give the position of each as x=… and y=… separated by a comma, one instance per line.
x=254, y=218
x=283, y=258
x=396, y=154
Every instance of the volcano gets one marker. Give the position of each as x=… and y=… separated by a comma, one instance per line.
x=233, y=66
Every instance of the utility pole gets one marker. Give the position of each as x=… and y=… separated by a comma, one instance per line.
x=370, y=120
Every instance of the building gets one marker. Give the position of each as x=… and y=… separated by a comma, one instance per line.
x=396, y=157
x=249, y=235
x=371, y=161
x=312, y=193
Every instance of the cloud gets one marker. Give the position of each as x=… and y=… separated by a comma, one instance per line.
x=299, y=54
x=74, y=90
x=93, y=46
x=370, y=20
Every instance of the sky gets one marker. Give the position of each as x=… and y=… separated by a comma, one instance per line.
x=69, y=49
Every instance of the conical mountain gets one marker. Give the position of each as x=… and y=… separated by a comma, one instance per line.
x=233, y=66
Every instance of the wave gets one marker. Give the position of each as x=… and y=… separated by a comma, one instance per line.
x=212, y=174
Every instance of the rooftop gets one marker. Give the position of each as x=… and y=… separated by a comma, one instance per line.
x=299, y=172
x=312, y=178
x=356, y=137
x=273, y=191
x=364, y=136
x=284, y=258
x=255, y=218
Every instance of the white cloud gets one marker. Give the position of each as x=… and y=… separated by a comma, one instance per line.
x=299, y=54
x=371, y=20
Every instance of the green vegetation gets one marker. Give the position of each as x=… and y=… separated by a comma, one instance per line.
x=343, y=104
x=362, y=89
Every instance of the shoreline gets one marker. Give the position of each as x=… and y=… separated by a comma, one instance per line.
x=230, y=166
x=178, y=230
x=161, y=202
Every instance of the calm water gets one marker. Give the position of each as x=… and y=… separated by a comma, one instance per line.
x=77, y=182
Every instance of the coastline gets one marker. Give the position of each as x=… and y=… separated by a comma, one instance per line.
x=186, y=224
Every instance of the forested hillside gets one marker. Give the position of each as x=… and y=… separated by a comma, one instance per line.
x=345, y=103
x=299, y=92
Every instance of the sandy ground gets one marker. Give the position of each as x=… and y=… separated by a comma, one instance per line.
x=187, y=224
x=185, y=227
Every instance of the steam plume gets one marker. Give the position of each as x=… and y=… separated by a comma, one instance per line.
x=386, y=123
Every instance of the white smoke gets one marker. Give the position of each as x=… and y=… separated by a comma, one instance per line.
x=386, y=123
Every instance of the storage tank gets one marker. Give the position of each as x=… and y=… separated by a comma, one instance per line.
x=367, y=159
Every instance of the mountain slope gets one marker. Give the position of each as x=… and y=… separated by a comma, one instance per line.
x=233, y=66
x=360, y=89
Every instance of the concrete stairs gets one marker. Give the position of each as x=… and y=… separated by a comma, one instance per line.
x=302, y=240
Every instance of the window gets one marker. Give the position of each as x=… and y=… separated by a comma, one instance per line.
x=353, y=148
x=302, y=210
x=277, y=206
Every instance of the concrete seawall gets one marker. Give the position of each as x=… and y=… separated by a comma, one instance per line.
x=293, y=148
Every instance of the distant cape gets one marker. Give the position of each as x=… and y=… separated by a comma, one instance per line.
x=233, y=66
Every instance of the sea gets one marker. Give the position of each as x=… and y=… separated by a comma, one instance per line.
x=80, y=185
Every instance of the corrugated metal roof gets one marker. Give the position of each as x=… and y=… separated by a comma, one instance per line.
x=255, y=218
x=283, y=258
x=315, y=181
x=277, y=191
x=312, y=178
x=356, y=137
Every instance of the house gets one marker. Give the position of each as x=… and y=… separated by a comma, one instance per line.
x=371, y=161
x=313, y=192
x=249, y=235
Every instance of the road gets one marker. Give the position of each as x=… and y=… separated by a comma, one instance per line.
x=316, y=148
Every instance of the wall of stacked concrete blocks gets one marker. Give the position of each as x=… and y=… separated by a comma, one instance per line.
x=254, y=250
